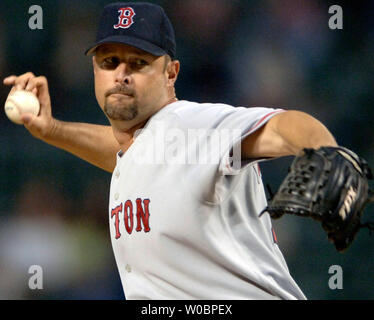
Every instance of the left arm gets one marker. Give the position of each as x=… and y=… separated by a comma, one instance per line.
x=286, y=134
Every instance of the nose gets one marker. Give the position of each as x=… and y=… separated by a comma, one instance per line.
x=123, y=74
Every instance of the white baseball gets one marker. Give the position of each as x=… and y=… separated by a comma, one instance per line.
x=21, y=101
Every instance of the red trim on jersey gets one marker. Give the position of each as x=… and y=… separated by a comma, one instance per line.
x=254, y=127
x=263, y=119
x=274, y=235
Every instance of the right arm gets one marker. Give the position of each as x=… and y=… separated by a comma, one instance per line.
x=93, y=143
x=90, y=142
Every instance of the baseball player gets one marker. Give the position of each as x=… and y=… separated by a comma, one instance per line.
x=183, y=226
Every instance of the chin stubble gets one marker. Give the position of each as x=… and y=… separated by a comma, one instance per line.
x=121, y=112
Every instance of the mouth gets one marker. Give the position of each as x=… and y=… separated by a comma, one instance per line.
x=119, y=92
x=120, y=95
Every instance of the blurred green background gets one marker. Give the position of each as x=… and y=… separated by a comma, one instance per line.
x=241, y=52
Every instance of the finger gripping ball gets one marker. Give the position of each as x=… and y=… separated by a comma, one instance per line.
x=19, y=102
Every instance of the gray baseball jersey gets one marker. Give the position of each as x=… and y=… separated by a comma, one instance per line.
x=184, y=211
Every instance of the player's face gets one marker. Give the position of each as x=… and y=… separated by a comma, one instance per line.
x=130, y=84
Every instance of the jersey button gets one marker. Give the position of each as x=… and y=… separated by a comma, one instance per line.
x=117, y=174
x=128, y=268
x=116, y=196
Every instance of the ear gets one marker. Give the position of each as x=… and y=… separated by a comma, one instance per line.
x=94, y=64
x=172, y=70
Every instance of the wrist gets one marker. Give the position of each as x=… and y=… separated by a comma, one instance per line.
x=53, y=131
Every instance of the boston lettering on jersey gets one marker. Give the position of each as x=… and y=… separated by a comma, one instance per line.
x=125, y=212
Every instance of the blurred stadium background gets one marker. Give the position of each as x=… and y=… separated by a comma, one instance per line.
x=53, y=210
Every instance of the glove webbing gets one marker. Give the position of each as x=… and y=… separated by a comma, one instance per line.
x=369, y=225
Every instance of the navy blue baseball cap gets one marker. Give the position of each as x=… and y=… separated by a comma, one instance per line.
x=139, y=24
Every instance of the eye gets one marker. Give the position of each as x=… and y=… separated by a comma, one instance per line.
x=109, y=63
x=138, y=63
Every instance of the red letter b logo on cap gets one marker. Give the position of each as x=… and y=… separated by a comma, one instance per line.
x=125, y=19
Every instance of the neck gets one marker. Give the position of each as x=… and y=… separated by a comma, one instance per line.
x=126, y=137
x=171, y=100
